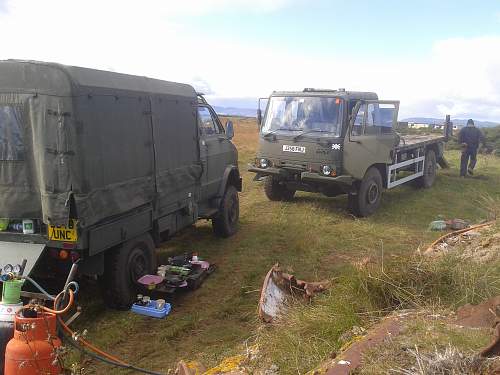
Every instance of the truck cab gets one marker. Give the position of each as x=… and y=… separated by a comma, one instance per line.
x=331, y=142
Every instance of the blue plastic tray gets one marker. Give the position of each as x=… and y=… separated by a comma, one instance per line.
x=151, y=310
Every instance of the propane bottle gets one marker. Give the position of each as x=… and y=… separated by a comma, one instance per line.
x=33, y=348
x=7, y=314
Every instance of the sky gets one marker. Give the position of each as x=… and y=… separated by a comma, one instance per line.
x=437, y=57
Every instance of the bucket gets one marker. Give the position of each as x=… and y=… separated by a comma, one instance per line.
x=11, y=292
x=4, y=224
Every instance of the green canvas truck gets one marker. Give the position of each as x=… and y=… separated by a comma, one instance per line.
x=340, y=142
x=100, y=167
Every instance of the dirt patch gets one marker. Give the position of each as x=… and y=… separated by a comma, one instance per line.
x=483, y=315
x=351, y=358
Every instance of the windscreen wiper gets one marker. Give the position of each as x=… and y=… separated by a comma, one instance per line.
x=309, y=132
x=267, y=135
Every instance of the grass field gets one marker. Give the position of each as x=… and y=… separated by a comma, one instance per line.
x=314, y=236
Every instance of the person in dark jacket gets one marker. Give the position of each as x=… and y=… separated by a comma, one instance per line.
x=469, y=137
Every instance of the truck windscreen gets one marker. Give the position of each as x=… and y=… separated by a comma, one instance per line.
x=308, y=114
x=11, y=134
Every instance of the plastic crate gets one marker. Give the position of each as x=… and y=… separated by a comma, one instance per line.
x=151, y=310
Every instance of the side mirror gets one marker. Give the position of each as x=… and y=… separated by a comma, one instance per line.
x=229, y=129
x=259, y=117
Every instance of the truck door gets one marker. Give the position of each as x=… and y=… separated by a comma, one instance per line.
x=214, y=149
x=371, y=135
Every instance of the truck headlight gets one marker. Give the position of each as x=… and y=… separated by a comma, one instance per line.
x=263, y=163
x=328, y=170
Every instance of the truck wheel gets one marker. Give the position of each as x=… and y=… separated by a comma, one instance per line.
x=276, y=191
x=367, y=201
x=430, y=167
x=123, y=267
x=225, y=224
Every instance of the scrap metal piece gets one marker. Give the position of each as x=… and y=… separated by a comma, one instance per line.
x=493, y=348
x=279, y=287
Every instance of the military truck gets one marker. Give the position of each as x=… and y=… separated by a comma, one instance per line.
x=340, y=142
x=103, y=166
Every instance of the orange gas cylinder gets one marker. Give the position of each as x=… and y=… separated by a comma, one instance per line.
x=32, y=351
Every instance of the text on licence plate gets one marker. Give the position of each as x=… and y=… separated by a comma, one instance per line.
x=63, y=233
x=300, y=149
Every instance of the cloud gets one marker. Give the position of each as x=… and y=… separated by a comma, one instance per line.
x=459, y=76
x=202, y=86
x=215, y=6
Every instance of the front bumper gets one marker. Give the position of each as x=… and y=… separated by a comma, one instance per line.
x=316, y=177
x=268, y=171
x=304, y=176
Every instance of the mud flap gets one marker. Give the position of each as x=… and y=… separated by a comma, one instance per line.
x=14, y=252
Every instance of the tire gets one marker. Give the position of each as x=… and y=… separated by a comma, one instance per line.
x=276, y=191
x=124, y=265
x=225, y=224
x=369, y=195
x=430, y=167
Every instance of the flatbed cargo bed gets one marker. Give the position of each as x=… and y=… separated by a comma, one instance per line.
x=410, y=141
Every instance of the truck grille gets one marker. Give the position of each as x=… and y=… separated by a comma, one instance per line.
x=292, y=165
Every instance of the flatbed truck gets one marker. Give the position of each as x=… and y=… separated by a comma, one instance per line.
x=341, y=142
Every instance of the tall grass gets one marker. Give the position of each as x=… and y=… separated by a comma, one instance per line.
x=308, y=334
x=416, y=282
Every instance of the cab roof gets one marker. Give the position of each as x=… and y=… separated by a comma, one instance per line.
x=356, y=95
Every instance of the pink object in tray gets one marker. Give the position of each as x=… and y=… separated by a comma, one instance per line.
x=150, y=280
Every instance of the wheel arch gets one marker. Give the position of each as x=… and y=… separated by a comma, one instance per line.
x=231, y=177
x=382, y=168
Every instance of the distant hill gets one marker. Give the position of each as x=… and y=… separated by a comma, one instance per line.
x=460, y=122
x=233, y=111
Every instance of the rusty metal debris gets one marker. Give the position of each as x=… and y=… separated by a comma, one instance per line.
x=279, y=287
x=493, y=348
x=464, y=236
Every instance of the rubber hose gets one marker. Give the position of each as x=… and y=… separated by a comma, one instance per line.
x=108, y=361
x=88, y=344
x=52, y=311
x=39, y=287
x=75, y=285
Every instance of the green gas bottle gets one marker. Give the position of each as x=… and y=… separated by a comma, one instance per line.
x=11, y=291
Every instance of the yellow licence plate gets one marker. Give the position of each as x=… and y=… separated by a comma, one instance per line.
x=63, y=233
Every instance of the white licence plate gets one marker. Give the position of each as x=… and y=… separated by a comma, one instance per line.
x=299, y=149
